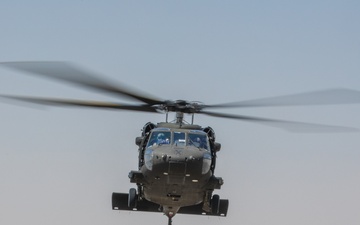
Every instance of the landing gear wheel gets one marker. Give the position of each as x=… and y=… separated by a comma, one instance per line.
x=132, y=199
x=215, y=204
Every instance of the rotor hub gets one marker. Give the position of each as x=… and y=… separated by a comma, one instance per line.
x=182, y=106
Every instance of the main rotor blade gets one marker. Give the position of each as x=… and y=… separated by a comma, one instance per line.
x=291, y=126
x=71, y=74
x=81, y=103
x=324, y=97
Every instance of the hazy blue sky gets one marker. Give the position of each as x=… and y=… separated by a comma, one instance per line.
x=60, y=166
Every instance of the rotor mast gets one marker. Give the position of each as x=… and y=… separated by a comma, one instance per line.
x=179, y=117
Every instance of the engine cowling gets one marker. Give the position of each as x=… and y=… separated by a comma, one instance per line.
x=210, y=133
x=147, y=128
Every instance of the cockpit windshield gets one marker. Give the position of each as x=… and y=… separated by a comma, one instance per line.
x=159, y=138
x=179, y=138
x=198, y=140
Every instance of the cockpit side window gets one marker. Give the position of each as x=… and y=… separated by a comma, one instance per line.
x=198, y=140
x=159, y=138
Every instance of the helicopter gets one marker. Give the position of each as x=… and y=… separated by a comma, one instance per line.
x=176, y=159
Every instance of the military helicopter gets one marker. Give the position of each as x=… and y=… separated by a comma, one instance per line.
x=177, y=159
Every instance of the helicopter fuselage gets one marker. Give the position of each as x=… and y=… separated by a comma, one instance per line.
x=176, y=168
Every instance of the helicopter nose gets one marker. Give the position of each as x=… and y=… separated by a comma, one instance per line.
x=184, y=155
x=179, y=161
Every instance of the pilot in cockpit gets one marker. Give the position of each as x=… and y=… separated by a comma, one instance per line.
x=162, y=139
x=198, y=141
